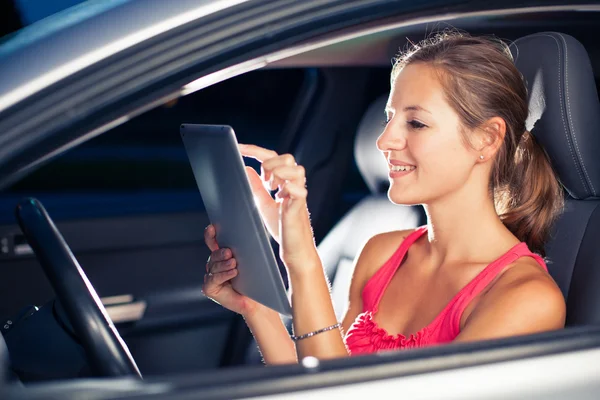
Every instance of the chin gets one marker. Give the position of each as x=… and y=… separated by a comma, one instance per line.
x=404, y=197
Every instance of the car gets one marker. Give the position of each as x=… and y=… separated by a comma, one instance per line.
x=101, y=245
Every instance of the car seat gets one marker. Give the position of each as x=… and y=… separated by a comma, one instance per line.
x=564, y=116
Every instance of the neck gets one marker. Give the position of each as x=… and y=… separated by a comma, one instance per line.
x=464, y=226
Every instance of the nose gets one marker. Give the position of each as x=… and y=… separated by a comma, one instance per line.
x=391, y=139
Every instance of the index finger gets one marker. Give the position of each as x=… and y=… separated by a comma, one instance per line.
x=258, y=153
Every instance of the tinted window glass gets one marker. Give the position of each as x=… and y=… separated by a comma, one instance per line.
x=142, y=166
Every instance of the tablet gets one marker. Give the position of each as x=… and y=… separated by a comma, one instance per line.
x=221, y=178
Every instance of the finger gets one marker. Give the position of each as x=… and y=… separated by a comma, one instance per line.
x=258, y=153
x=222, y=254
x=261, y=195
x=274, y=182
x=221, y=266
x=284, y=159
x=216, y=256
x=268, y=208
x=269, y=166
x=210, y=238
x=221, y=277
x=294, y=174
x=293, y=191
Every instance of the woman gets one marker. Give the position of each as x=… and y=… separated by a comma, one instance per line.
x=455, y=142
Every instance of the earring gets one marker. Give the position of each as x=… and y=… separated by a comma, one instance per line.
x=481, y=157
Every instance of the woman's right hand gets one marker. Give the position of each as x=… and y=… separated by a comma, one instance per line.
x=220, y=269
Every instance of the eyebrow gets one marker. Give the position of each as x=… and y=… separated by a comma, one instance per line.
x=416, y=108
x=410, y=108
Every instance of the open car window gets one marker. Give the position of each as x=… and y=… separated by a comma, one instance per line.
x=141, y=166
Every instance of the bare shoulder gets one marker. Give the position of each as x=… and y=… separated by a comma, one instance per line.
x=527, y=294
x=377, y=250
x=523, y=300
x=526, y=276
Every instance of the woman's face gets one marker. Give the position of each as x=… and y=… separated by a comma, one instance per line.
x=423, y=131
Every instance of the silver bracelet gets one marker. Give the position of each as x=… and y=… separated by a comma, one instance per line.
x=307, y=335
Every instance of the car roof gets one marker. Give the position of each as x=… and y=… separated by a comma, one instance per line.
x=60, y=45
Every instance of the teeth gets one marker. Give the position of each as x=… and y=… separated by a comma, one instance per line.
x=397, y=168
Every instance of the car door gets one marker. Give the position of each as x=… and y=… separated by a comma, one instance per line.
x=127, y=204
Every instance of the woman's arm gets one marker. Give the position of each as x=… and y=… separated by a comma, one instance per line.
x=265, y=324
x=311, y=299
x=272, y=337
x=326, y=345
x=313, y=308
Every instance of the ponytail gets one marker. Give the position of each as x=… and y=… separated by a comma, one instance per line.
x=531, y=197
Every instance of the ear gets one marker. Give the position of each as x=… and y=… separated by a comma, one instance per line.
x=491, y=137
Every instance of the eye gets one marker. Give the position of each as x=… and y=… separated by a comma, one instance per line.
x=387, y=121
x=414, y=124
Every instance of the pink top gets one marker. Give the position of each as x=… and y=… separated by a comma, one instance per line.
x=364, y=336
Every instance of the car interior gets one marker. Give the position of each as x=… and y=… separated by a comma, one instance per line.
x=126, y=203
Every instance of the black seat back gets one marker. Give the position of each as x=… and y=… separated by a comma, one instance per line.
x=564, y=116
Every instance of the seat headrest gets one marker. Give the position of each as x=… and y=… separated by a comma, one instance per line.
x=370, y=161
x=564, y=112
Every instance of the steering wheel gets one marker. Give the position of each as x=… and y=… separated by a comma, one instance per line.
x=107, y=352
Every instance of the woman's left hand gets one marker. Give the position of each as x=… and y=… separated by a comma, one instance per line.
x=281, y=172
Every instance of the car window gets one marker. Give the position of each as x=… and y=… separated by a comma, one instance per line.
x=354, y=187
x=141, y=166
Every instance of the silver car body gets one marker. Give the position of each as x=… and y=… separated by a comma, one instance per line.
x=56, y=48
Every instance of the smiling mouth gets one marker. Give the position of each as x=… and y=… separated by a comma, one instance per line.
x=402, y=168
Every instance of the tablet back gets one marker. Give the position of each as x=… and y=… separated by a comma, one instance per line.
x=219, y=171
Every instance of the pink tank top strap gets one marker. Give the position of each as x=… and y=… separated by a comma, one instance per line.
x=375, y=286
x=485, y=277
